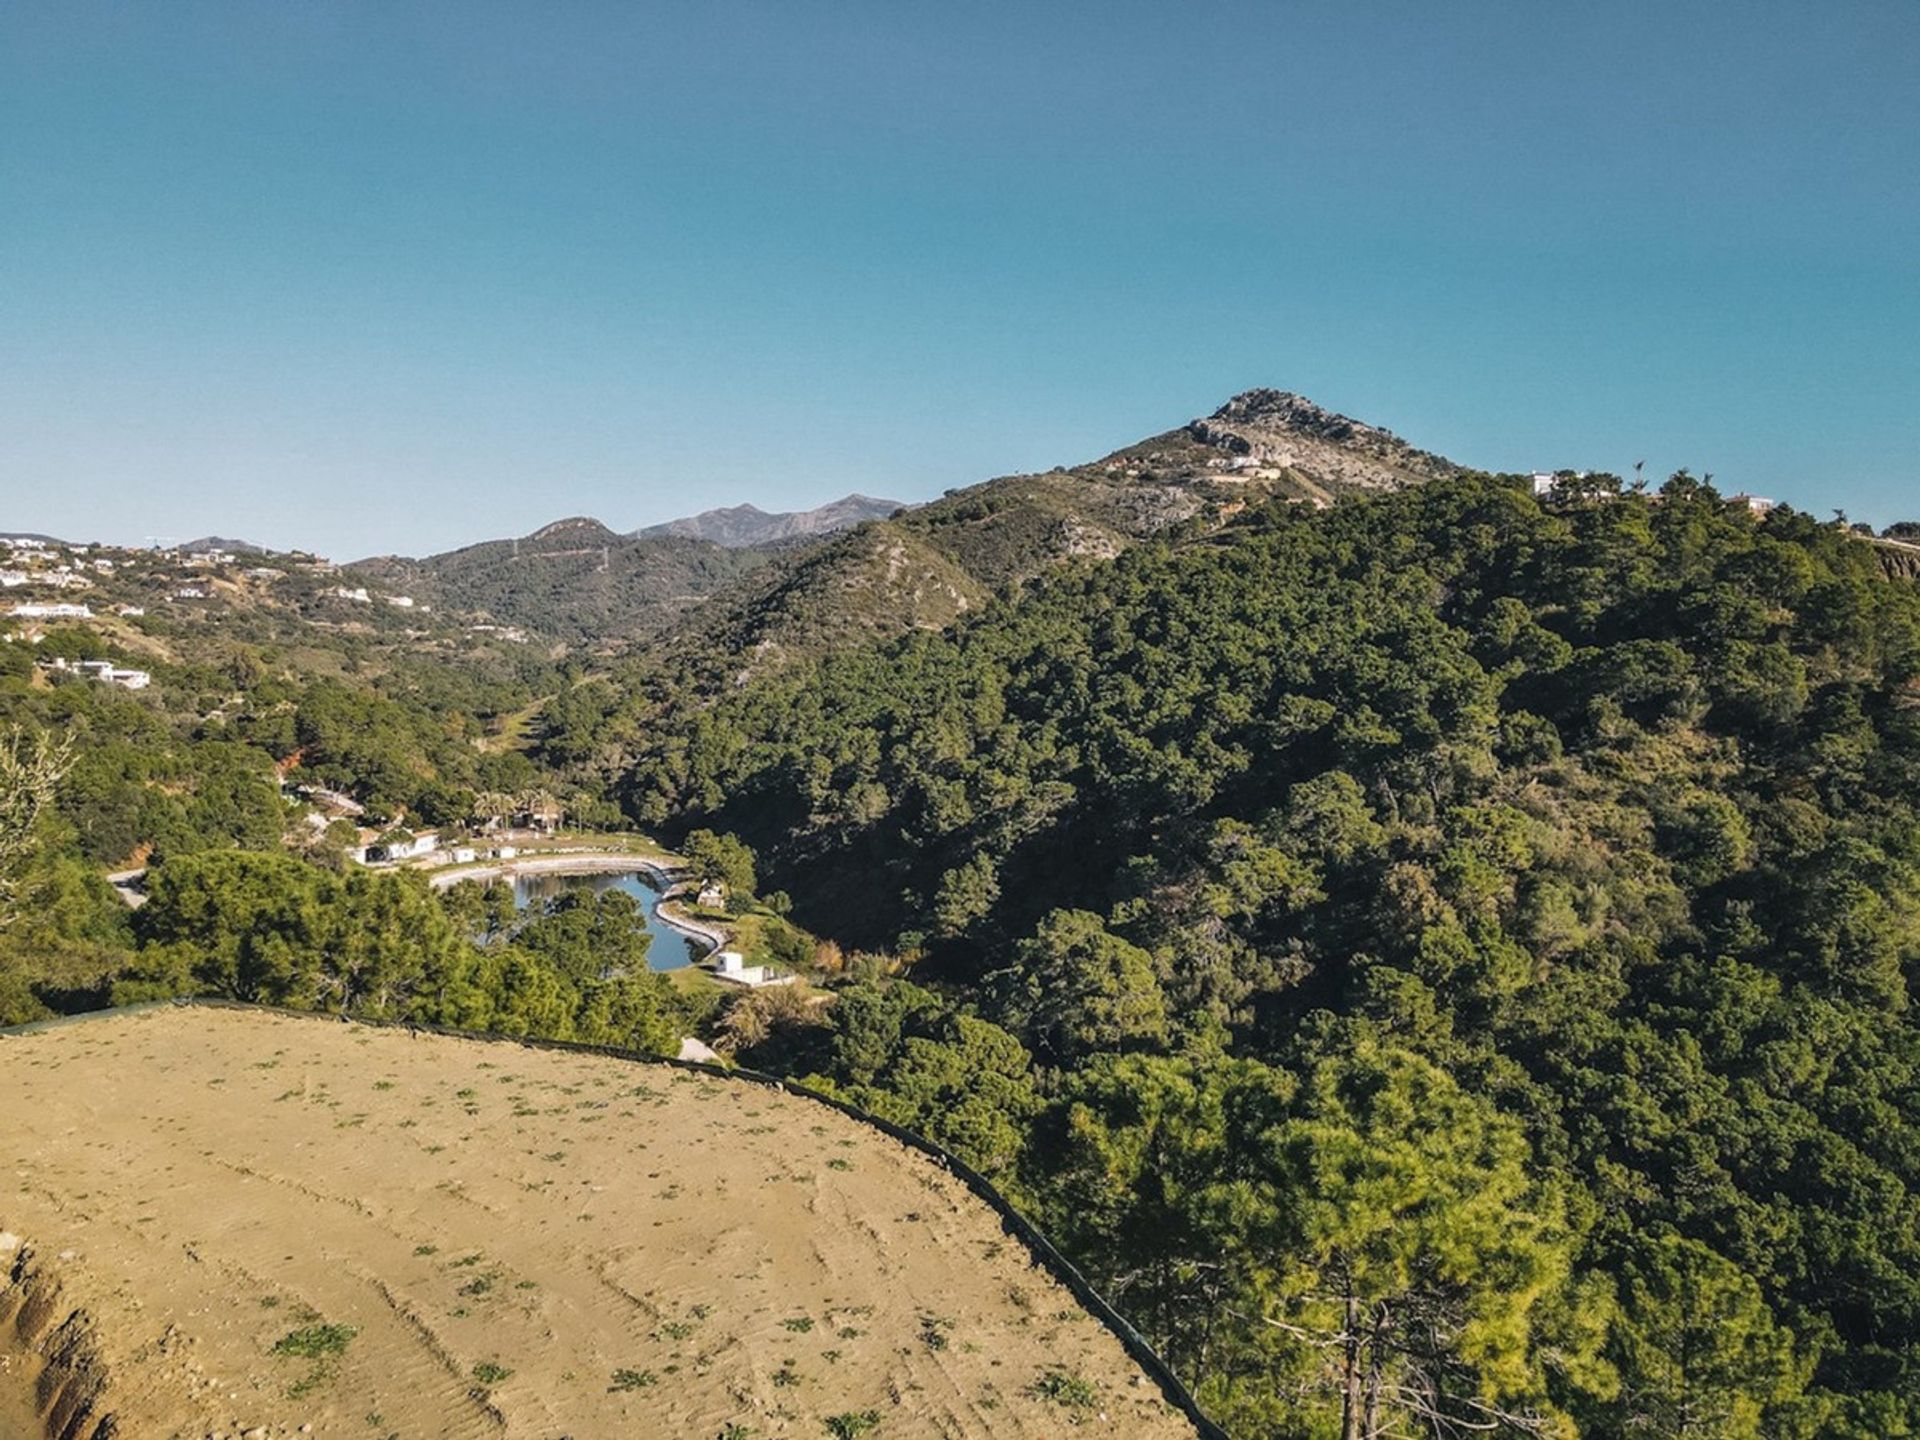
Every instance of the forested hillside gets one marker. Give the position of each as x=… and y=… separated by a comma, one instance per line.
x=922, y=569
x=574, y=580
x=1442, y=963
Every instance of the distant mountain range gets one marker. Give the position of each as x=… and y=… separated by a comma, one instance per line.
x=739, y=526
x=749, y=583
x=223, y=542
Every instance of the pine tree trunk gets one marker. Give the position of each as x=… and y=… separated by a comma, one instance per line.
x=1350, y=1409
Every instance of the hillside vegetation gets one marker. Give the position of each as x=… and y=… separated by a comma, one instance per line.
x=1443, y=962
x=574, y=580
x=925, y=567
x=1440, y=959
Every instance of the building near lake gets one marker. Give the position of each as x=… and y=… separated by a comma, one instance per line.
x=731, y=966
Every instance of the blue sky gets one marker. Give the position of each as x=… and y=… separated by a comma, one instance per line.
x=399, y=276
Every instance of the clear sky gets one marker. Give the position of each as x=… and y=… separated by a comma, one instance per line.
x=399, y=276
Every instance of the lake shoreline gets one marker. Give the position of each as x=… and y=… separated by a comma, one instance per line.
x=663, y=874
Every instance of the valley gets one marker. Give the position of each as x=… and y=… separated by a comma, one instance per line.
x=1305, y=877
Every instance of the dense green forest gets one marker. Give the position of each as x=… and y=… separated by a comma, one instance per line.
x=1442, y=963
x=198, y=777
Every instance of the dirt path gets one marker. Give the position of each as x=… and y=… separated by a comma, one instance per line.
x=518, y=1242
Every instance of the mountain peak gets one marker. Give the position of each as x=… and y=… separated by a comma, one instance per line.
x=1284, y=408
x=576, y=530
x=1285, y=430
x=737, y=526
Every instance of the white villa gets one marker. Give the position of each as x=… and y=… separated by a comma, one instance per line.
x=731, y=966
x=103, y=670
x=32, y=611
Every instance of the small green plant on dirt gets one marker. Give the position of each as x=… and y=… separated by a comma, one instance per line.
x=1067, y=1390
x=316, y=1342
x=786, y=1376
x=799, y=1324
x=323, y=1345
x=632, y=1380
x=933, y=1331
x=852, y=1424
x=487, y=1372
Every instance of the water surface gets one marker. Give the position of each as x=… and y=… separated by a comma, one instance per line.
x=670, y=950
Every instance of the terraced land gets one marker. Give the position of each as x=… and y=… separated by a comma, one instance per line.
x=246, y=1224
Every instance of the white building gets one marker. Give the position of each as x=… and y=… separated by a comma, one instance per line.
x=103, y=670
x=12, y=578
x=52, y=612
x=425, y=843
x=731, y=966
x=401, y=602
x=358, y=595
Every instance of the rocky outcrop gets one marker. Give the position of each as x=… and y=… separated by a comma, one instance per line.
x=1279, y=430
x=1899, y=558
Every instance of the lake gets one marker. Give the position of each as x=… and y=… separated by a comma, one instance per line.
x=670, y=950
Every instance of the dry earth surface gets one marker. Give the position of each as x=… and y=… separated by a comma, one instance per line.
x=518, y=1242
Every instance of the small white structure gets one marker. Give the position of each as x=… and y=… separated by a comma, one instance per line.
x=425, y=843
x=713, y=895
x=190, y=592
x=358, y=595
x=52, y=612
x=10, y=579
x=1755, y=504
x=102, y=670
x=400, y=602
x=503, y=852
x=129, y=612
x=731, y=966
x=462, y=855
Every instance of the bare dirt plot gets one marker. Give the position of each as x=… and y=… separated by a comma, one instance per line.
x=266, y=1221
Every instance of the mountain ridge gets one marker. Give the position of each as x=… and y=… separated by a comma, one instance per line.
x=750, y=583
x=741, y=526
